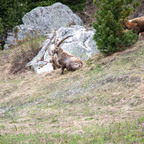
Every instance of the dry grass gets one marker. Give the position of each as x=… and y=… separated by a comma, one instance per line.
x=104, y=92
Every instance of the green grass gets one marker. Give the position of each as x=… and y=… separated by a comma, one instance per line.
x=125, y=132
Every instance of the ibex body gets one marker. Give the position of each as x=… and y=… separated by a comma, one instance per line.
x=136, y=24
x=55, y=63
x=54, y=59
x=66, y=60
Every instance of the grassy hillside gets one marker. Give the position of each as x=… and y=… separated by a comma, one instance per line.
x=101, y=103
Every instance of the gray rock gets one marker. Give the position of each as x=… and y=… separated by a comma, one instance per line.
x=43, y=20
x=81, y=45
x=24, y=33
x=48, y=19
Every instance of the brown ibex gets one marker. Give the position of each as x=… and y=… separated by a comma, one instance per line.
x=55, y=63
x=66, y=60
x=136, y=24
x=54, y=59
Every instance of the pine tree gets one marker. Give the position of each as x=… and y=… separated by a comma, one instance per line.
x=11, y=12
x=1, y=27
x=110, y=17
x=75, y=5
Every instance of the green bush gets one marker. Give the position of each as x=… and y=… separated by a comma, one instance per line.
x=1, y=27
x=11, y=13
x=31, y=4
x=110, y=17
x=75, y=5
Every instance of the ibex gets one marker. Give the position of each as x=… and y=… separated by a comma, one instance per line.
x=55, y=63
x=54, y=59
x=66, y=60
x=136, y=24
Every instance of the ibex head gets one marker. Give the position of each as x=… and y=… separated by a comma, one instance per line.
x=57, y=46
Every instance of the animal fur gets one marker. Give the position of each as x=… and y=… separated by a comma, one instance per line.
x=66, y=60
x=54, y=59
x=55, y=63
x=136, y=24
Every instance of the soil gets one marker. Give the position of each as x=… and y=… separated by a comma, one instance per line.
x=88, y=14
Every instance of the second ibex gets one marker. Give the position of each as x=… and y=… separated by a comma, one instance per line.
x=66, y=60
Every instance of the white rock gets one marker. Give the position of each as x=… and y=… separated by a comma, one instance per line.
x=81, y=45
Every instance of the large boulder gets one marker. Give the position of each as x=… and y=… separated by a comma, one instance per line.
x=81, y=45
x=43, y=20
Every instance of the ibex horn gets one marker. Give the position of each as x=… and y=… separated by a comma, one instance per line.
x=63, y=40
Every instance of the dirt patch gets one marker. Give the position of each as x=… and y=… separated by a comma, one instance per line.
x=139, y=12
x=88, y=14
x=21, y=59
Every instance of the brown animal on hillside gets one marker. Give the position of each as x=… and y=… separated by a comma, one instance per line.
x=55, y=63
x=66, y=60
x=54, y=59
x=136, y=24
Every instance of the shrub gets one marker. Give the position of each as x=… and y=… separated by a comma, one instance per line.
x=75, y=5
x=110, y=17
x=39, y=3
x=1, y=27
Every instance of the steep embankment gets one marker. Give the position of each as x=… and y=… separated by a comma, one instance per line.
x=101, y=103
